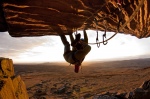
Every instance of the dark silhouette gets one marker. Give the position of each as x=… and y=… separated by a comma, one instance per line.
x=80, y=49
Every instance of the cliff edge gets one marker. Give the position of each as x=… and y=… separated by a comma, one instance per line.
x=11, y=85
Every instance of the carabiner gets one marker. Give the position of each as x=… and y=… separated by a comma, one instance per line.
x=97, y=42
x=104, y=42
x=104, y=36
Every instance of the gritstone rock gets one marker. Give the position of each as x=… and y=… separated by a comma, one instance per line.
x=11, y=86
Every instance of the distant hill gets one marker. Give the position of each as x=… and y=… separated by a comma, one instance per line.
x=90, y=66
x=145, y=62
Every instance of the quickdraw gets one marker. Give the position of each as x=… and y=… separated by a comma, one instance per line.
x=105, y=41
x=104, y=35
x=97, y=40
x=129, y=20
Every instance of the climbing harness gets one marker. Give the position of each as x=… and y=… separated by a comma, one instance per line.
x=118, y=26
x=78, y=62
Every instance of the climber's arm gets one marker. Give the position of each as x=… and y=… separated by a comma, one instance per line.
x=71, y=38
x=85, y=36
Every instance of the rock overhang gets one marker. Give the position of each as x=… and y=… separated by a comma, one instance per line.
x=38, y=18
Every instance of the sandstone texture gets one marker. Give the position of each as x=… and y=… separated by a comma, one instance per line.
x=11, y=86
x=52, y=17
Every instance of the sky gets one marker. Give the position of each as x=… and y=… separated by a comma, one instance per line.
x=50, y=48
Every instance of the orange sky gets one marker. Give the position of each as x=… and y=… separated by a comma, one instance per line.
x=50, y=48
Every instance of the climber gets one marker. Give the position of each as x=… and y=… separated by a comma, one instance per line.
x=80, y=49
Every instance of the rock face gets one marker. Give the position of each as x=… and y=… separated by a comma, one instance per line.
x=38, y=18
x=11, y=86
x=143, y=92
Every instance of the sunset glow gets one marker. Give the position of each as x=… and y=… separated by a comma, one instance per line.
x=50, y=48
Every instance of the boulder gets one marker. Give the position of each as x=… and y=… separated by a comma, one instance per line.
x=7, y=89
x=6, y=67
x=146, y=85
x=143, y=92
x=19, y=88
x=11, y=86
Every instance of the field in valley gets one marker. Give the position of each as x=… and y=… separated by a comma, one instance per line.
x=58, y=80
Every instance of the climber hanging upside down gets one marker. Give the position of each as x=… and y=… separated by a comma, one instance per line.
x=80, y=49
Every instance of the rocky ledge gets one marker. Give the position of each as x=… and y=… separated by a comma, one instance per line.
x=11, y=85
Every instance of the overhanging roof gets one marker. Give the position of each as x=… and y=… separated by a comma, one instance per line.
x=49, y=17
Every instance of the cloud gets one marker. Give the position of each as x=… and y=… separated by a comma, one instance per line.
x=10, y=46
x=50, y=48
